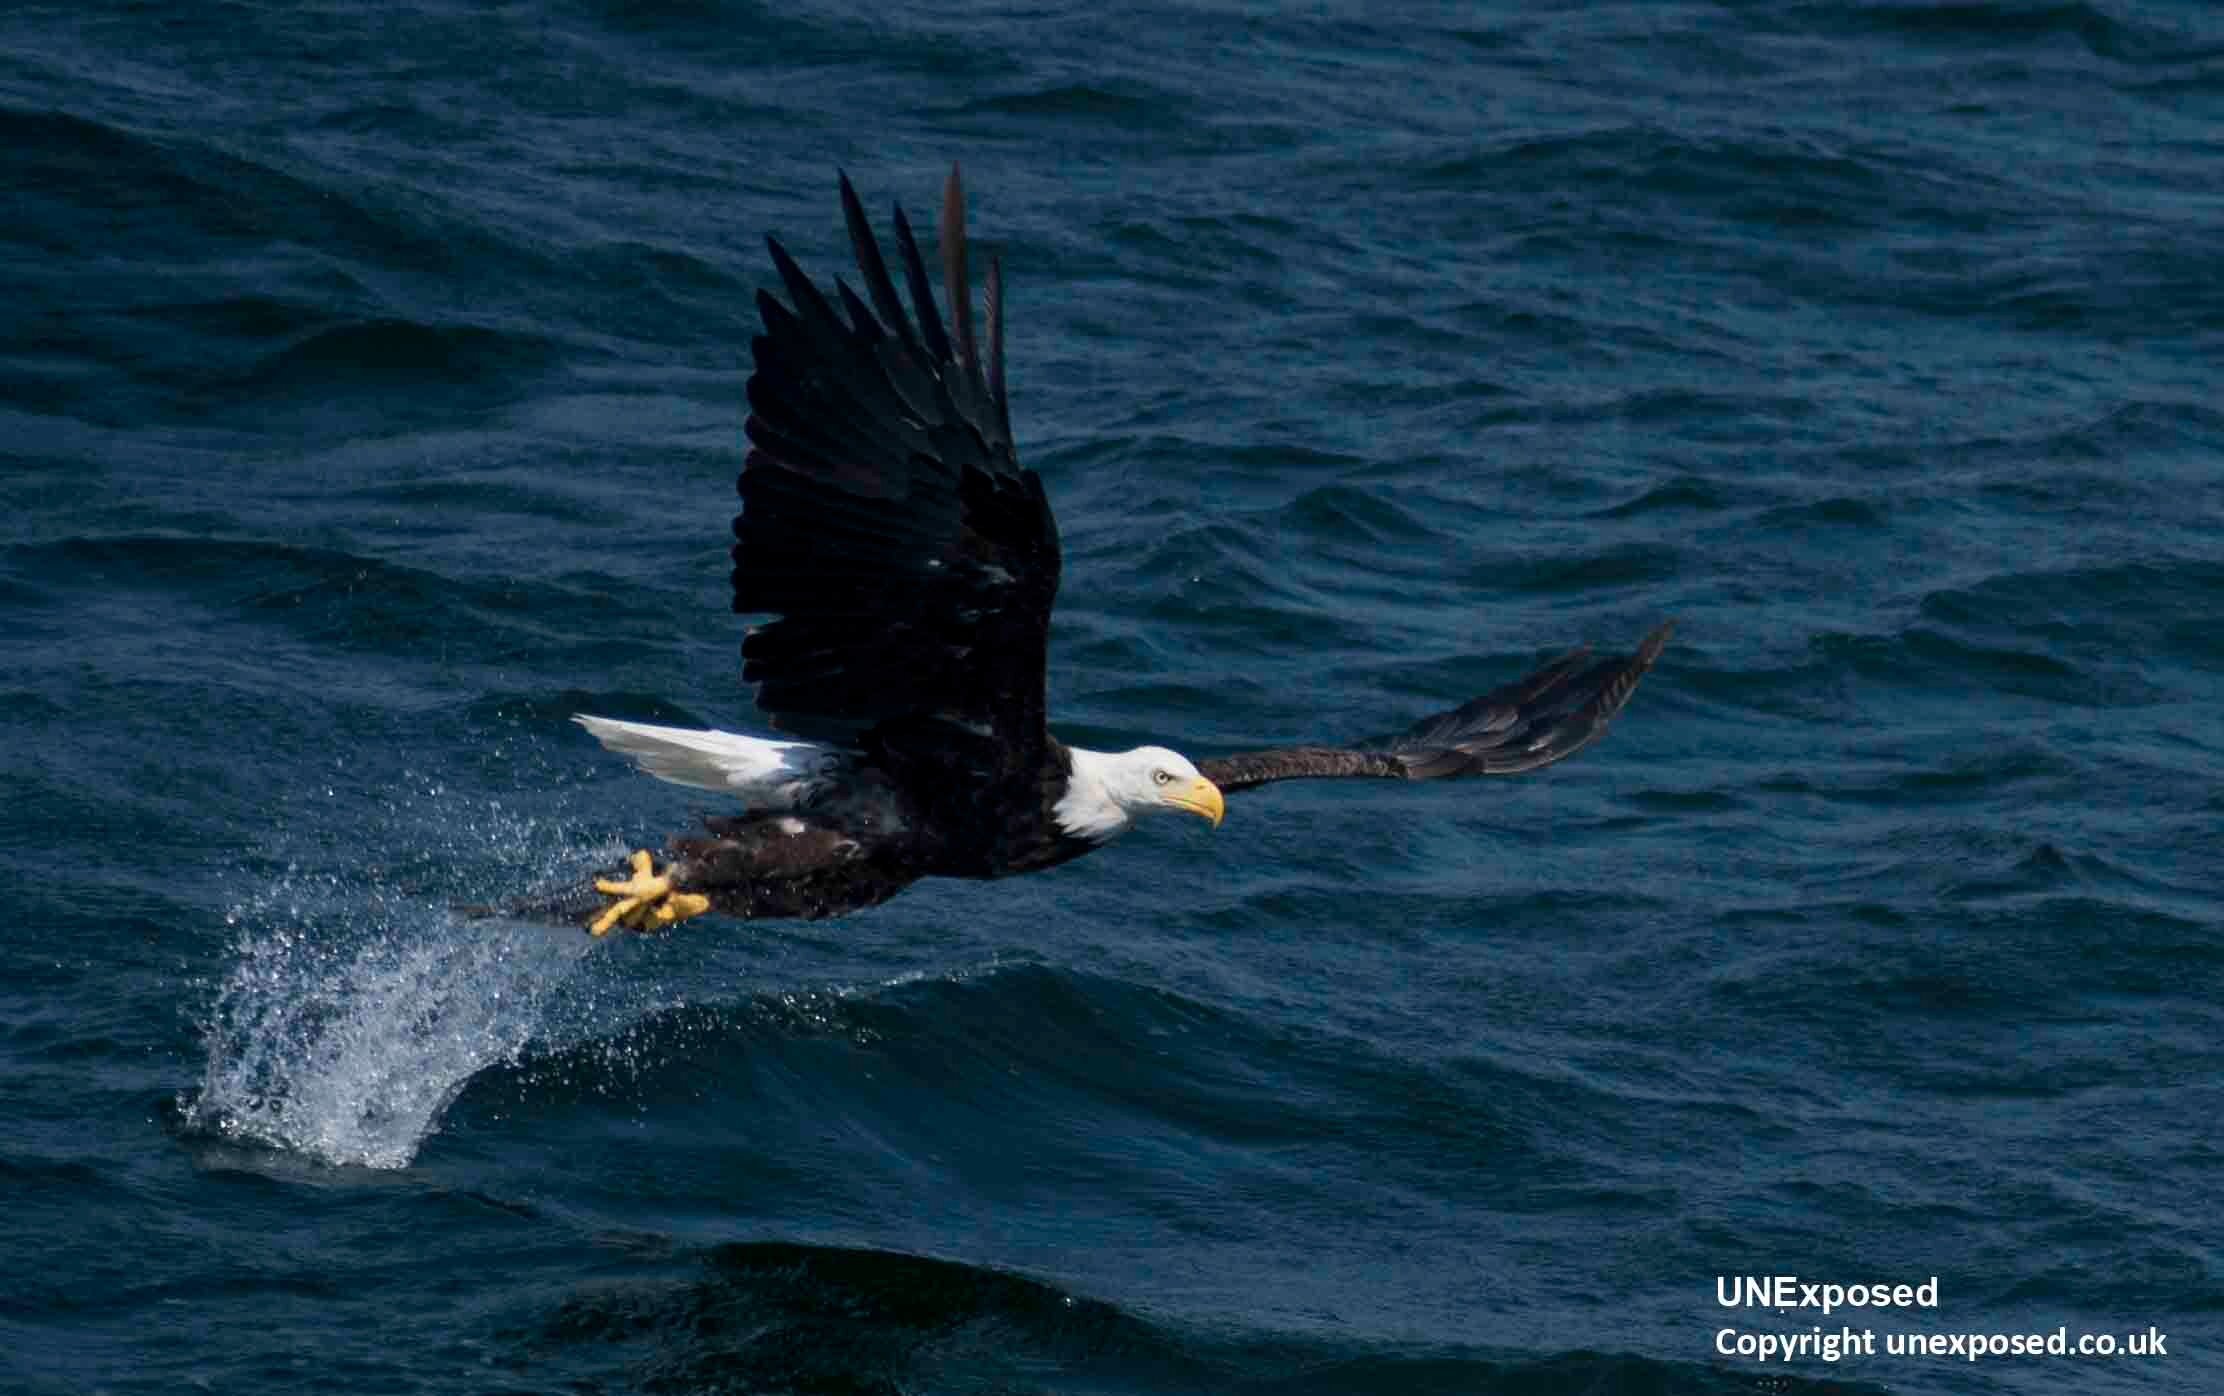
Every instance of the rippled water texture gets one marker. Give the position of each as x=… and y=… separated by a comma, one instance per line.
x=370, y=398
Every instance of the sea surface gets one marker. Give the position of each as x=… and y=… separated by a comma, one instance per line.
x=371, y=389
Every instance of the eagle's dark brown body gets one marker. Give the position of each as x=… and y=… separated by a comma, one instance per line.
x=874, y=839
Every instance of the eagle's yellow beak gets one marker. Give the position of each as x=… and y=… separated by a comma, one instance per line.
x=1201, y=796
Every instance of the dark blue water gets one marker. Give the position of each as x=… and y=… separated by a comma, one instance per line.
x=370, y=397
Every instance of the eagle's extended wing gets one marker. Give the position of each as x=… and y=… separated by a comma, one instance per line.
x=910, y=560
x=1553, y=713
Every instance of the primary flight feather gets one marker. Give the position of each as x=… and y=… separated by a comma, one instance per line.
x=909, y=564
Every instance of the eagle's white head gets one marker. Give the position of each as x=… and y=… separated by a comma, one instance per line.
x=1107, y=789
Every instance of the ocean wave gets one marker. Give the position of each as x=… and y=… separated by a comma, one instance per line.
x=381, y=356
x=786, y=1315
x=333, y=602
x=1683, y=493
x=1138, y=106
x=1990, y=27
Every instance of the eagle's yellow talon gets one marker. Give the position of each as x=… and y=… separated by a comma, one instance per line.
x=644, y=882
x=645, y=901
x=602, y=924
x=678, y=907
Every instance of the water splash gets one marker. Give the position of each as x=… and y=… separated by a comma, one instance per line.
x=350, y=1054
x=354, y=1014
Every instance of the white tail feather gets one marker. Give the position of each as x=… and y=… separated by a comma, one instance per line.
x=766, y=774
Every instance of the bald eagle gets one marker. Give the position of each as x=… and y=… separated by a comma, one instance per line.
x=909, y=562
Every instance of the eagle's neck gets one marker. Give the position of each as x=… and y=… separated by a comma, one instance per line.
x=1087, y=809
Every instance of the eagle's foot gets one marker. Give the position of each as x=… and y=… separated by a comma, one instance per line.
x=645, y=901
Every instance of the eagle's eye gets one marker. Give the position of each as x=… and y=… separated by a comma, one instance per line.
x=1163, y=776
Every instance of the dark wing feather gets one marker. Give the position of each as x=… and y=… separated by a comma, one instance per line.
x=874, y=270
x=995, y=301
x=909, y=560
x=1535, y=721
x=955, y=283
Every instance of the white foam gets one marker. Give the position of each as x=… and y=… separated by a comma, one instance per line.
x=350, y=1053
x=353, y=1014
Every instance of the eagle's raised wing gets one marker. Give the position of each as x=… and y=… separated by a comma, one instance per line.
x=910, y=561
x=1535, y=721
